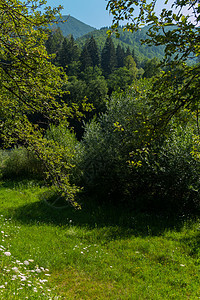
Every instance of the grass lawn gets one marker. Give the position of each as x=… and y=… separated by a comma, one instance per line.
x=93, y=253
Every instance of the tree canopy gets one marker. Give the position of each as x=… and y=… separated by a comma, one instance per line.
x=30, y=84
x=178, y=87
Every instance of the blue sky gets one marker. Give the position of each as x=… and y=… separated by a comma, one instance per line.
x=91, y=12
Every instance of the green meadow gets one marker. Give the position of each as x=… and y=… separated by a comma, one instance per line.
x=94, y=253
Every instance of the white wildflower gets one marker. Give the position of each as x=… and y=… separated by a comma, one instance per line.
x=15, y=269
x=23, y=278
x=38, y=270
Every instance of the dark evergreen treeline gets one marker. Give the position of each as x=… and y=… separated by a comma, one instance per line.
x=89, y=53
x=96, y=73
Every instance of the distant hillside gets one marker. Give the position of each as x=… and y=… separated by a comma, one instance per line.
x=82, y=32
x=126, y=39
x=73, y=26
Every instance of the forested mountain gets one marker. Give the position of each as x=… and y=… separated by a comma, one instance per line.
x=81, y=32
x=126, y=39
x=72, y=26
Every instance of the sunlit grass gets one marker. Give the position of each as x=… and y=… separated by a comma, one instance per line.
x=95, y=253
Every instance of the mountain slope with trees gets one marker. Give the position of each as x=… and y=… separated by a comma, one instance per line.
x=82, y=32
x=126, y=39
x=72, y=26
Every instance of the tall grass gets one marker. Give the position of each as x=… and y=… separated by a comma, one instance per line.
x=19, y=162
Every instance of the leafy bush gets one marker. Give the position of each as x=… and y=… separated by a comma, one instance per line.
x=107, y=143
x=19, y=162
x=63, y=136
x=67, y=139
x=168, y=176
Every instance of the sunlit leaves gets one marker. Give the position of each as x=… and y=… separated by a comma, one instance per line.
x=30, y=84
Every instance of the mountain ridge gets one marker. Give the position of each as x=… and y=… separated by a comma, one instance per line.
x=72, y=26
x=81, y=32
x=126, y=39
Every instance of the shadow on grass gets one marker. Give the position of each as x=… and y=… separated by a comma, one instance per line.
x=119, y=220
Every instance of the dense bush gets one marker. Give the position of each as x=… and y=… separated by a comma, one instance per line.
x=19, y=163
x=112, y=163
x=67, y=139
x=107, y=143
x=167, y=177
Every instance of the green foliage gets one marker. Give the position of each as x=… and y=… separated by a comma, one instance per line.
x=91, y=86
x=65, y=138
x=179, y=34
x=90, y=55
x=108, y=57
x=77, y=90
x=151, y=68
x=19, y=163
x=122, y=161
x=121, y=79
x=30, y=84
x=96, y=88
x=120, y=54
x=85, y=58
x=166, y=168
x=167, y=177
x=54, y=41
x=93, y=51
x=107, y=142
x=125, y=40
x=68, y=54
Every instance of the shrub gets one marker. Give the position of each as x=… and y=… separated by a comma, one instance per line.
x=168, y=178
x=107, y=143
x=18, y=162
x=67, y=139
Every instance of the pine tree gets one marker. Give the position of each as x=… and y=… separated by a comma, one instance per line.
x=63, y=58
x=94, y=52
x=69, y=52
x=136, y=59
x=133, y=54
x=120, y=54
x=74, y=51
x=54, y=41
x=128, y=51
x=85, y=58
x=108, y=57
